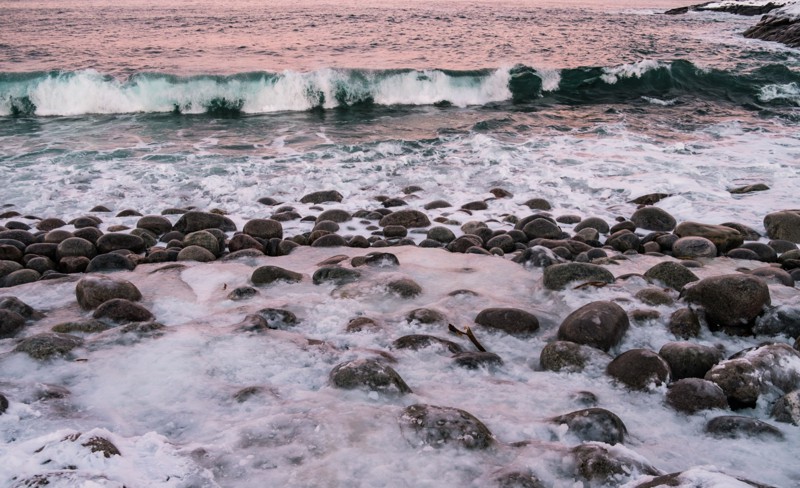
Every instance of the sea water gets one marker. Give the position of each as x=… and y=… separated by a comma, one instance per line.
x=145, y=105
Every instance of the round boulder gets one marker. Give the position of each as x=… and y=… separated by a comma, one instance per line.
x=787, y=408
x=115, y=242
x=783, y=225
x=639, y=369
x=407, y=218
x=368, y=374
x=569, y=357
x=558, y=276
x=594, y=424
x=510, y=320
x=193, y=221
x=653, y=218
x=92, y=291
x=263, y=229
x=75, y=246
x=598, y=324
x=691, y=395
x=10, y=323
x=723, y=238
x=730, y=301
x=265, y=275
x=672, y=274
x=433, y=426
x=736, y=427
x=693, y=247
x=122, y=311
x=688, y=359
x=48, y=345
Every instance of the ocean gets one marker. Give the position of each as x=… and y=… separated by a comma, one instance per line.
x=146, y=105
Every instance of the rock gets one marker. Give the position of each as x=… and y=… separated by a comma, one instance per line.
x=329, y=240
x=407, y=218
x=196, y=253
x=731, y=302
x=395, y=231
x=420, y=341
x=244, y=241
x=49, y=224
x=691, y=395
x=335, y=275
x=541, y=228
x=688, y=359
x=510, y=320
x=570, y=357
x=724, y=238
x=736, y=427
x=598, y=324
x=368, y=374
x=405, y=287
x=10, y=323
x=21, y=277
x=8, y=267
x=477, y=359
x=749, y=233
x=777, y=366
x=606, y=466
x=92, y=291
x=654, y=297
x=23, y=236
x=3, y=404
x=476, y=205
x=75, y=246
x=322, y=197
x=464, y=243
x=89, y=326
x=596, y=223
x=122, y=311
x=102, y=445
x=433, y=426
x=91, y=234
x=73, y=264
x=109, y=263
x=504, y=242
x=693, y=247
x=639, y=369
x=193, y=221
x=558, y=276
x=263, y=229
x=359, y=324
x=265, y=275
x=594, y=424
x=778, y=28
x=381, y=260
x=437, y=204
x=204, y=239
x=14, y=304
x=782, y=320
x=242, y=293
x=773, y=275
x=671, y=274
x=48, y=345
x=741, y=253
x=538, y=204
x=426, y=316
x=441, y=234
x=277, y=318
x=739, y=380
x=787, y=408
x=650, y=198
x=653, y=218
x=156, y=224
x=517, y=479
x=113, y=242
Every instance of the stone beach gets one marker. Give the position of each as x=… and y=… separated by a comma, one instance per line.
x=700, y=317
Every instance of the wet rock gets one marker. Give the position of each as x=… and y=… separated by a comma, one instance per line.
x=9, y=252
x=407, y=218
x=477, y=359
x=394, y=231
x=277, y=318
x=464, y=243
x=741, y=253
x=41, y=264
x=48, y=345
x=91, y=234
x=538, y=204
x=156, y=224
x=196, y=253
x=596, y=223
x=3, y=404
x=787, y=408
x=653, y=218
x=426, y=316
x=73, y=264
x=405, y=287
x=558, y=276
x=650, y=198
x=510, y=320
x=504, y=242
x=8, y=267
x=89, y=326
x=693, y=247
x=14, y=304
x=773, y=275
x=109, y=263
x=517, y=479
x=75, y=246
x=335, y=275
x=92, y=291
x=724, y=238
x=594, y=424
x=420, y=341
x=193, y=221
x=684, y=323
x=639, y=369
x=242, y=293
x=654, y=297
x=49, y=224
x=204, y=239
x=437, y=204
x=263, y=229
x=102, y=445
x=10, y=323
x=782, y=320
x=736, y=427
x=21, y=277
x=23, y=236
x=360, y=324
x=114, y=242
x=265, y=275
x=783, y=225
x=329, y=240
x=368, y=374
x=606, y=466
x=738, y=378
x=122, y=311
x=322, y=197
x=570, y=357
x=765, y=253
x=244, y=241
x=780, y=246
x=441, y=234
x=541, y=228
x=692, y=395
x=732, y=301
x=432, y=426
x=689, y=359
x=381, y=260
x=598, y=324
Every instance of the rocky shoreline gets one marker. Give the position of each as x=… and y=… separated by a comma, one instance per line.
x=598, y=284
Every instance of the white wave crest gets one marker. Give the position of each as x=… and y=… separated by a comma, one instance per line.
x=613, y=74
x=789, y=91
